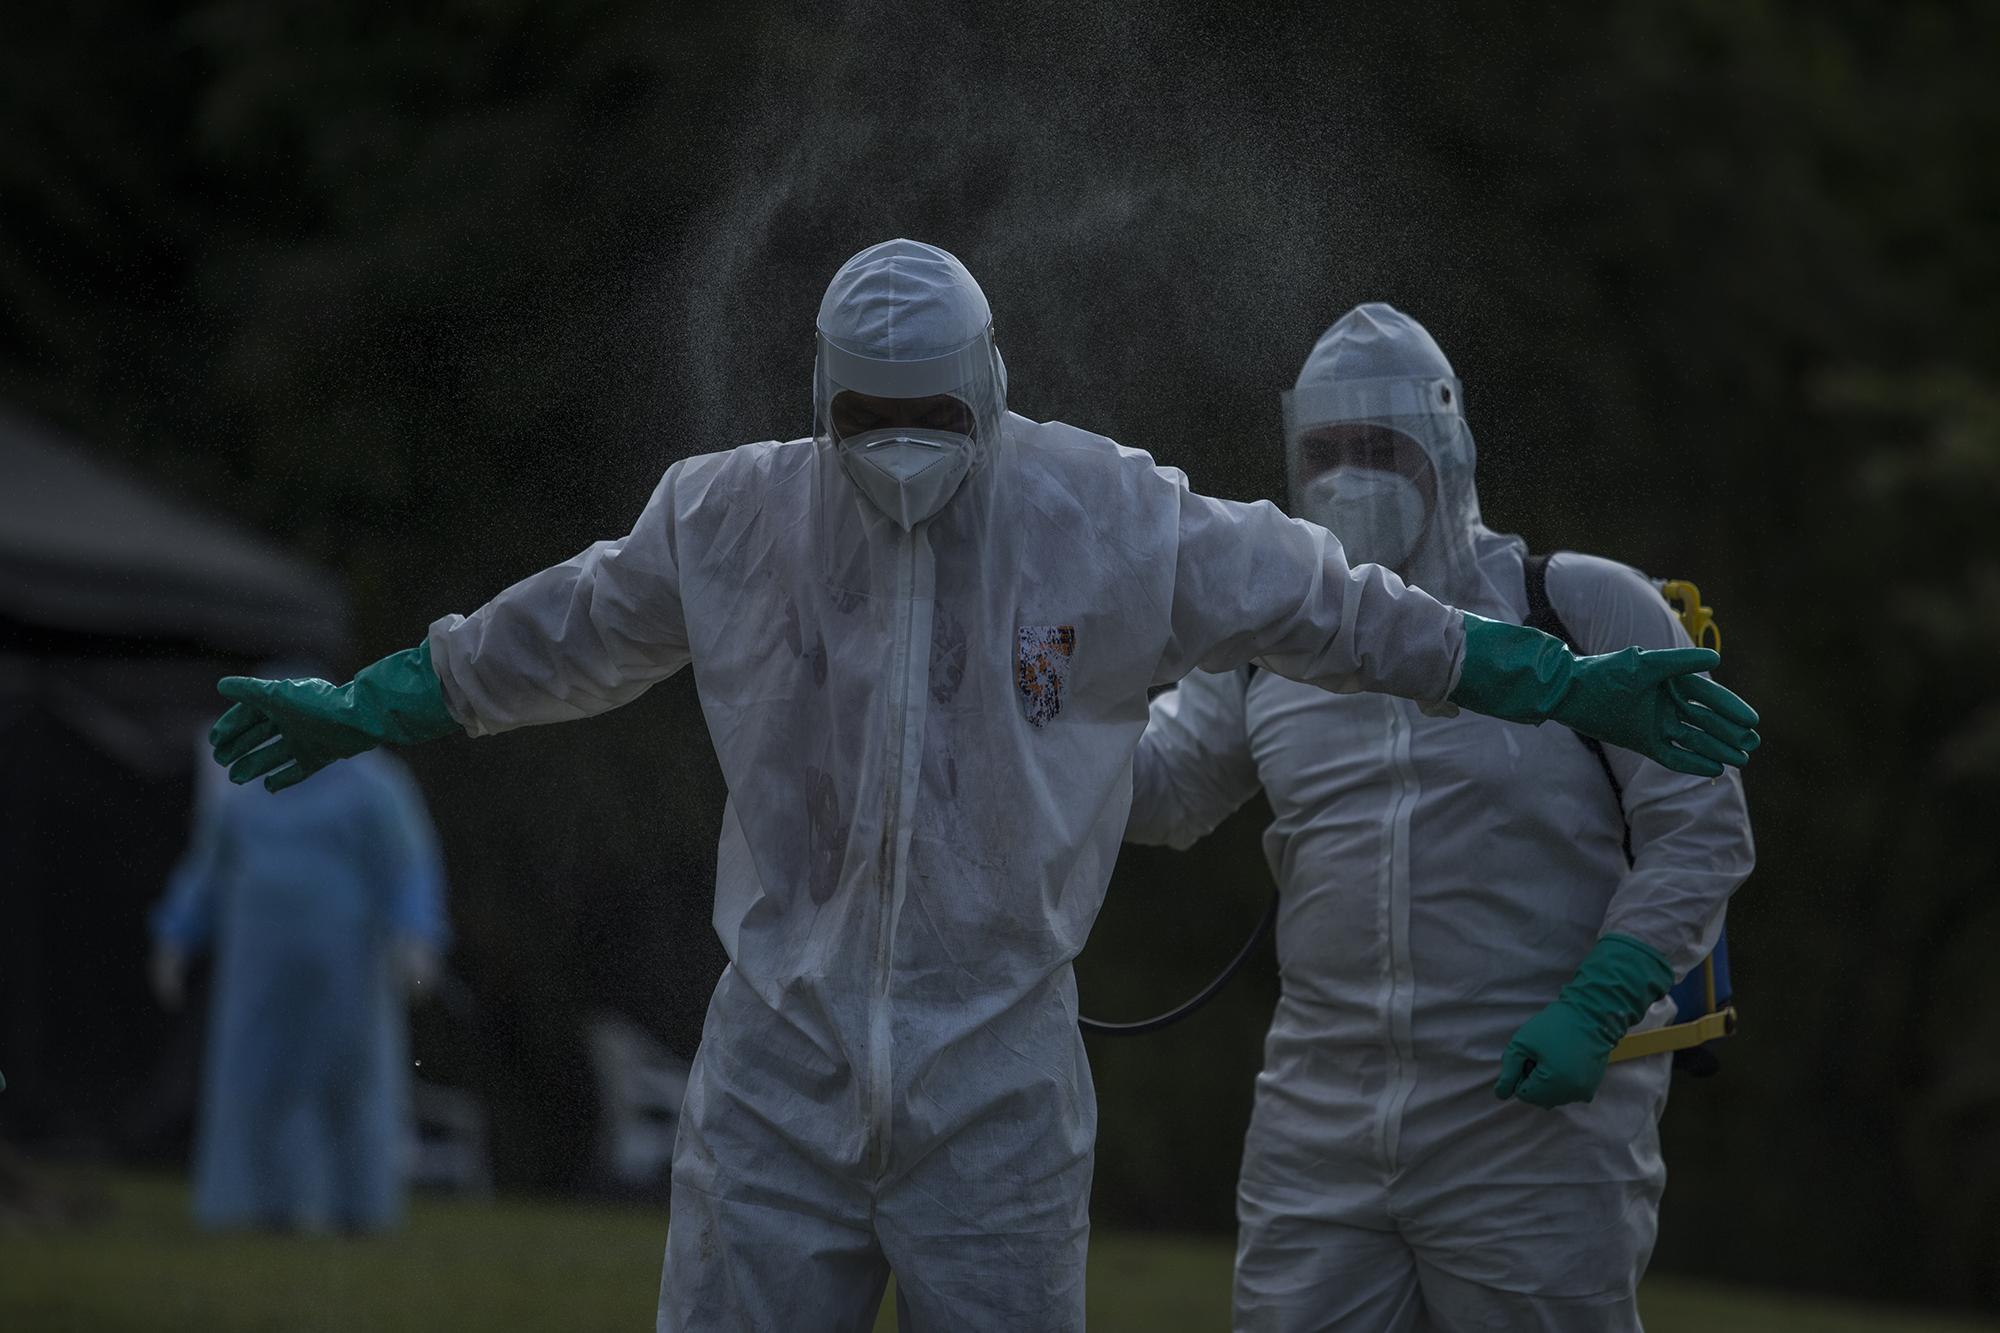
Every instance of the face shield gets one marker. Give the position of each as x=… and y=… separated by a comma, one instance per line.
x=1384, y=460
x=908, y=388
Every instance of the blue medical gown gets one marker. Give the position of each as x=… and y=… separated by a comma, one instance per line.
x=303, y=895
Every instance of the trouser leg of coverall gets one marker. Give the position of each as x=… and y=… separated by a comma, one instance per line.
x=764, y=1231
x=979, y=1281
x=1456, y=1306
x=988, y=1227
x=1545, y=1259
x=1553, y=1258
x=1303, y=1275
x=750, y=1267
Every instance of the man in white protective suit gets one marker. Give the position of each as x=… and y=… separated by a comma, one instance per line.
x=1452, y=889
x=922, y=640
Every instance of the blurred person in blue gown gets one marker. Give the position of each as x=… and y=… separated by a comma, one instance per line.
x=324, y=909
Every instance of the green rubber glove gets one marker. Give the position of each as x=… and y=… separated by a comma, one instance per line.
x=1559, y=1055
x=1650, y=701
x=291, y=729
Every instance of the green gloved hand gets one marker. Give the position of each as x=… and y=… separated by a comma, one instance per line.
x=291, y=729
x=1650, y=701
x=1559, y=1055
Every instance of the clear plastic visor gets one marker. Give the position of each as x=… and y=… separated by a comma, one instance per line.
x=1373, y=400
x=1387, y=425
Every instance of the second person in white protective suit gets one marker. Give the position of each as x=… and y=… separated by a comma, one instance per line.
x=922, y=639
x=1440, y=881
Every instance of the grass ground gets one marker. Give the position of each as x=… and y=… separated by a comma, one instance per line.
x=533, y=1265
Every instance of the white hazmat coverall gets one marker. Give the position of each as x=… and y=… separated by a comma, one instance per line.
x=927, y=736
x=1441, y=878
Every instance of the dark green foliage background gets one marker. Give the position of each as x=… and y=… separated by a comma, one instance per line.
x=434, y=292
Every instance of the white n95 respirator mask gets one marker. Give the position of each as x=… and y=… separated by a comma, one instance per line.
x=907, y=473
x=1378, y=516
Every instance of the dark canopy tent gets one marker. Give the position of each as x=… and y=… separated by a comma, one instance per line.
x=118, y=610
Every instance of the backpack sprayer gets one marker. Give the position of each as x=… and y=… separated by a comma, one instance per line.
x=1704, y=1005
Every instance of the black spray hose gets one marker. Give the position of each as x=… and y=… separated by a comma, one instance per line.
x=1098, y=1027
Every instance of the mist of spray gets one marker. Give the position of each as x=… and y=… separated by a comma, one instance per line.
x=1159, y=228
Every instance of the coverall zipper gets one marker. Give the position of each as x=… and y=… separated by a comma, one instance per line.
x=1403, y=792
x=902, y=658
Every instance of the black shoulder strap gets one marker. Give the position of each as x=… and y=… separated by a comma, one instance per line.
x=1542, y=616
x=1541, y=612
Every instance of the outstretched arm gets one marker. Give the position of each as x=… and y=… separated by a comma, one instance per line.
x=590, y=634
x=1251, y=584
